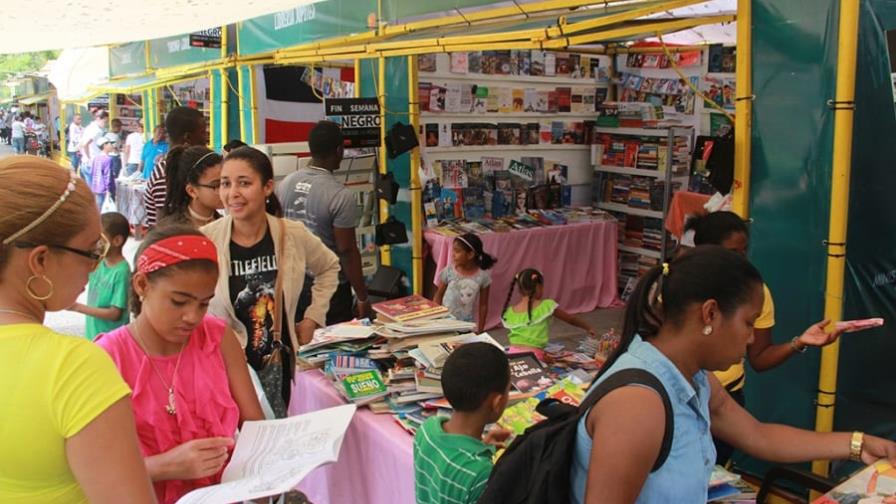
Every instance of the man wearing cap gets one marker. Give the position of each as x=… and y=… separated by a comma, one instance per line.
x=328, y=209
x=101, y=170
x=90, y=142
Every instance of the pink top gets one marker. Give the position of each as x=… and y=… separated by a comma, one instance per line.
x=205, y=407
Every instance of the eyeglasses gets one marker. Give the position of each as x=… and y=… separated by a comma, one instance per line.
x=99, y=252
x=214, y=186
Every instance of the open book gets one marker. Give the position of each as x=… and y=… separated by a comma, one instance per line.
x=876, y=484
x=272, y=456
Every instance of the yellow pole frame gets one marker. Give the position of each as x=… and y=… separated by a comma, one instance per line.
x=212, y=120
x=844, y=112
x=253, y=100
x=743, y=113
x=416, y=191
x=357, y=64
x=385, y=250
x=240, y=84
x=63, y=128
x=225, y=105
x=113, y=103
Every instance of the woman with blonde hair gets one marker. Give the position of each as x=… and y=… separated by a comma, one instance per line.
x=63, y=400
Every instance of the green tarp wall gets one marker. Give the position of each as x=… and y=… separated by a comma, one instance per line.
x=794, y=69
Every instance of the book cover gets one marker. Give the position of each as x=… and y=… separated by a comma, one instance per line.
x=514, y=62
x=425, y=384
x=536, y=65
x=364, y=385
x=480, y=99
x=532, y=133
x=445, y=206
x=556, y=132
x=445, y=135
x=432, y=134
x=454, y=174
x=576, y=100
x=457, y=134
x=491, y=165
x=585, y=67
x=459, y=63
x=437, y=98
x=544, y=132
x=431, y=214
x=453, y=93
x=414, y=307
x=492, y=102
x=502, y=62
x=564, y=99
x=505, y=100
x=530, y=100
x=474, y=203
x=518, y=100
x=489, y=62
x=563, y=68
x=466, y=98
x=423, y=92
x=527, y=373
x=475, y=175
x=479, y=134
x=875, y=484
x=492, y=134
x=553, y=106
x=508, y=134
x=474, y=62
x=600, y=96
x=525, y=62
x=426, y=63
x=550, y=64
x=556, y=173
x=537, y=166
x=503, y=199
x=541, y=101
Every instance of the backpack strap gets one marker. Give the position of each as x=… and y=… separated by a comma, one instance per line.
x=628, y=377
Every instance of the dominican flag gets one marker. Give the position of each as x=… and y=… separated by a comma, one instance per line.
x=287, y=106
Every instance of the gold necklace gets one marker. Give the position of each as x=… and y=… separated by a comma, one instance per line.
x=195, y=215
x=19, y=313
x=171, y=407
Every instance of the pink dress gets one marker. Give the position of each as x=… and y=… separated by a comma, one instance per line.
x=205, y=407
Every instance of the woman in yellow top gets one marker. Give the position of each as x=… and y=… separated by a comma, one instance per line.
x=66, y=429
x=729, y=230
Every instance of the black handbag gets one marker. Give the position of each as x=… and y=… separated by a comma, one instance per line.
x=391, y=232
x=399, y=139
x=387, y=188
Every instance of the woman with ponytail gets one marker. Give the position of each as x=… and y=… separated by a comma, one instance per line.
x=194, y=178
x=460, y=283
x=529, y=320
x=684, y=321
x=266, y=259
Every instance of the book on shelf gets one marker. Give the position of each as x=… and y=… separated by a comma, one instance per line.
x=474, y=62
x=414, y=307
x=536, y=67
x=424, y=90
x=437, y=98
x=459, y=63
x=431, y=134
x=426, y=62
x=550, y=64
x=474, y=203
x=518, y=96
x=480, y=99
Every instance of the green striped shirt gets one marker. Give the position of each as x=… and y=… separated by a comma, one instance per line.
x=449, y=468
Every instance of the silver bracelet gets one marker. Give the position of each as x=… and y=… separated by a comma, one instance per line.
x=795, y=344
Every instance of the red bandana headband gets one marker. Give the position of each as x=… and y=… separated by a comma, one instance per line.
x=175, y=250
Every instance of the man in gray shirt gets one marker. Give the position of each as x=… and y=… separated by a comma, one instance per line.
x=328, y=209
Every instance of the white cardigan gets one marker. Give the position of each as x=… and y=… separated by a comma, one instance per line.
x=302, y=251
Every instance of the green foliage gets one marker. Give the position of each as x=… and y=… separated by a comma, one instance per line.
x=13, y=64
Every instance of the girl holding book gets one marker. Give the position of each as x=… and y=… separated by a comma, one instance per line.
x=529, y=319
x=460, y=283
x=191, y=387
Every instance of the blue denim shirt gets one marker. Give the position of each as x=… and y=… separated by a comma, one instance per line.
x=684, y=477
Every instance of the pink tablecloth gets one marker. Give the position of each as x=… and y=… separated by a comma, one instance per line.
x=376, y=462
x=578, y=262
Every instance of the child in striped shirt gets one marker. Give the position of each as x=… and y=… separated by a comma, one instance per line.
x=452, y=458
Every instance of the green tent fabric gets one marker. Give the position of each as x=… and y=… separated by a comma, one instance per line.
x=794, y=73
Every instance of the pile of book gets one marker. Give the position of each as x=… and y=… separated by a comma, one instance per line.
x=529, y=220
x=394, y=365
x=632, y=190
x=641, y=152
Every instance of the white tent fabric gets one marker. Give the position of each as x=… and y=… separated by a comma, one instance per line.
x=77, y=69
x=707, y=34
x=62, y=24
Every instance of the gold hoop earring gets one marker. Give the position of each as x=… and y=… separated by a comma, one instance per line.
x=30, y=291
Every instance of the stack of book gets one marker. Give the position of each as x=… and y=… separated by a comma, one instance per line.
x=653, y=234
x=639, y=192
x=621, y=187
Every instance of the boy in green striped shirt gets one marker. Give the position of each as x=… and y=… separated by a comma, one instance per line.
x=452, y=459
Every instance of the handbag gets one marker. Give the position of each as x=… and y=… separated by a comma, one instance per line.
x=391, y=232
x=272, y=368
x=387, y=188
x=399, y=139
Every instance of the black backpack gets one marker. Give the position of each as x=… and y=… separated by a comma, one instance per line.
x=535, y=467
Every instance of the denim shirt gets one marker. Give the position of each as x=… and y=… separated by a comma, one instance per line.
x=684, y=477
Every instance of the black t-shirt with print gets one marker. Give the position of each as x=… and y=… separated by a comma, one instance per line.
x=253, y=274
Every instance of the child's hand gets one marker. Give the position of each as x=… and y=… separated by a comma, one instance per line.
x=75, y=307
x=496, y=437
x=592, y=332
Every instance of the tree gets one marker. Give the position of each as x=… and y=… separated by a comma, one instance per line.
x=14, y=64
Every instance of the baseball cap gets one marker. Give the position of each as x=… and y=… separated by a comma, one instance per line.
x=103, y=140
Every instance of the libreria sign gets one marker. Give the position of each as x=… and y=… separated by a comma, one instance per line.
x=291, y=17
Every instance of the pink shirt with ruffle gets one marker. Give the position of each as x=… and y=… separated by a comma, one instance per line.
x=205, y=407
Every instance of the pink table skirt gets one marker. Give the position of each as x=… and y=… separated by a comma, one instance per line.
x=376, y=462
x=578, y=262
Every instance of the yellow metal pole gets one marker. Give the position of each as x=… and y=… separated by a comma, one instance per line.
x=240, y=85
x=743, y=113
x=385, y=250
x=357, y=78
x=113, y=107
x=225, y=105
x=253, y=101
x=416, y=192
x=212, y=120
x=62, y=130
x=844, y=111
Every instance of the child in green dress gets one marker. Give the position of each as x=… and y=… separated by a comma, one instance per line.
x=528, y=320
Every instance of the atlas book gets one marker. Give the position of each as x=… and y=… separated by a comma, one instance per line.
x=414, y=307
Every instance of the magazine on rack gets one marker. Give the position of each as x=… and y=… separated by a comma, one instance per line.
x=272, y=456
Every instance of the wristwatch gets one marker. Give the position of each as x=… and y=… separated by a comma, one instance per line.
x=797, y=346
x=856, y=444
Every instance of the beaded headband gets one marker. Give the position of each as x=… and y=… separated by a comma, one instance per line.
x=69, y=189
x=200, y=160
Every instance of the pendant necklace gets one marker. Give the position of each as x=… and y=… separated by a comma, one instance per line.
x=171, y=407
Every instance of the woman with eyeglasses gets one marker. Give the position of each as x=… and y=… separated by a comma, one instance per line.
x=63, y=400
x=194, y=176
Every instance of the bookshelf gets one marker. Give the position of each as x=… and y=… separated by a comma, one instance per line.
x=637, y=170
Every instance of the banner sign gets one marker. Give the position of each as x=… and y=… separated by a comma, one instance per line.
x=359, y=118
x=210, y=38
